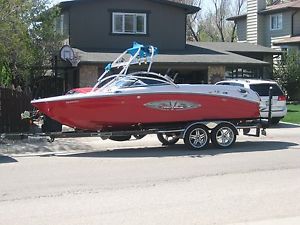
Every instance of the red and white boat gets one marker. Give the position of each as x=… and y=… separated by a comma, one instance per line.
x=126, y=100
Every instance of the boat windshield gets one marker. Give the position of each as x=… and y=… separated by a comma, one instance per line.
x=126, y=82
x=136, y=80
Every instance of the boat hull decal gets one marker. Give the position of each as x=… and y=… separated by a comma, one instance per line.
x=172, y=105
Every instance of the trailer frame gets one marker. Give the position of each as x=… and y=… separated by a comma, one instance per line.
x=176, y=131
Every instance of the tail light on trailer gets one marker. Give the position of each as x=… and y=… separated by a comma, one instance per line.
x=281, y=98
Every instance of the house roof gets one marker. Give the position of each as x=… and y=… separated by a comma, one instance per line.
x=237, y=47
x=272, y=9
x=289, y=40
x=195, y=53
x=281, y=7
x=190, y=9
x=233, y=18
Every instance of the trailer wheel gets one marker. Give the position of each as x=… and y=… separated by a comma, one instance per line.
x=196, y=137
x=168, y=139
x=120, y=138
x=223, y=135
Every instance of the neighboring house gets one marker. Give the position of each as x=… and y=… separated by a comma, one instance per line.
x=276, y=25
x=99, y=30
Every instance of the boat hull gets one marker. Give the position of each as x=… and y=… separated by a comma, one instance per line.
x=124, y=111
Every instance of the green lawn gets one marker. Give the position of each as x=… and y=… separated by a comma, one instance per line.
x=293, y=115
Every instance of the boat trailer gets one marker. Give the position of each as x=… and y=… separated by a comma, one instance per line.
x=196, y=135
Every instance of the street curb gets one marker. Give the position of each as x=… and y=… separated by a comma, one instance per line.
x=294, y=124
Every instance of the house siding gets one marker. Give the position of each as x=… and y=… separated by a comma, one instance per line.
x=91, y=31
x=242, y=30
x=255, y=22
x=296, y=27
x=66, y=24
x=278, y=35
x=252, y=22
x=88, y=75
x=277, y=39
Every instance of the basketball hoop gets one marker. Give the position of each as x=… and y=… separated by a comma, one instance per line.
x=74, y=62
x=67, y=54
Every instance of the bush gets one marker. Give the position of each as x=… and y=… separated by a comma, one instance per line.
x=287, y=73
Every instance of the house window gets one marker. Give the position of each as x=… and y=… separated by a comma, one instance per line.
x=243, y=72
x=129, y=23
x=59, y=27
x=276, y=22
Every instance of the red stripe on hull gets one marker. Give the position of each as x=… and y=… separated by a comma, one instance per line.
x=121, y=111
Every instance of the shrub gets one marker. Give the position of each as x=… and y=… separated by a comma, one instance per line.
x=287, y=73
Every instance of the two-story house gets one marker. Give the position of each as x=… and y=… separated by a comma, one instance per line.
x=275, y=25
x=99, y=30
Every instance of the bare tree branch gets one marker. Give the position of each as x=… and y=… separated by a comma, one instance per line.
x=192, y=20
x=239, y=4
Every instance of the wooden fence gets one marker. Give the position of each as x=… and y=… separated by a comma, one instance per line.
x=12, y=104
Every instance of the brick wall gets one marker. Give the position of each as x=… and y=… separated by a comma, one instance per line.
x=88, y=75
x=215, y=74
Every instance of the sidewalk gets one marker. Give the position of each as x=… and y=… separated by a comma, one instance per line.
x=279, y=221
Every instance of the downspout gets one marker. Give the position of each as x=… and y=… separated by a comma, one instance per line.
x=292, y=30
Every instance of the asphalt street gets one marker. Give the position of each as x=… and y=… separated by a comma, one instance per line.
x=89, y=181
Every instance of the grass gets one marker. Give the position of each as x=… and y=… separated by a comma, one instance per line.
x=293, y=115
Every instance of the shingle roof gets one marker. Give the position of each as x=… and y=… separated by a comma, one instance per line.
x=203, y=53
x=290, y=40
x=281, y=7
x=190, y=9
x=237, y=47
x=272, y=9
x=237, y=17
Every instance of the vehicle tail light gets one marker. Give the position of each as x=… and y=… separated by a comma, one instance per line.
x=281, y=98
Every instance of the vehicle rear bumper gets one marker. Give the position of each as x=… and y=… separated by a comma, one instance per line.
x=275, y=113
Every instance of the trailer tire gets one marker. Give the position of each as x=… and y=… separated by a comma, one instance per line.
x=196, y=137
x=164, y=138
x=223, y=135
x=120, y=138
x=275, y=120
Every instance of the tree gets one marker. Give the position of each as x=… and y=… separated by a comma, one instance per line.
x=192, y=20
x=214, y=25
x=237, y=9
x=27, y=39
x=287, y=73
x=45, y=42
x=13, y=39
x=221, y=9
